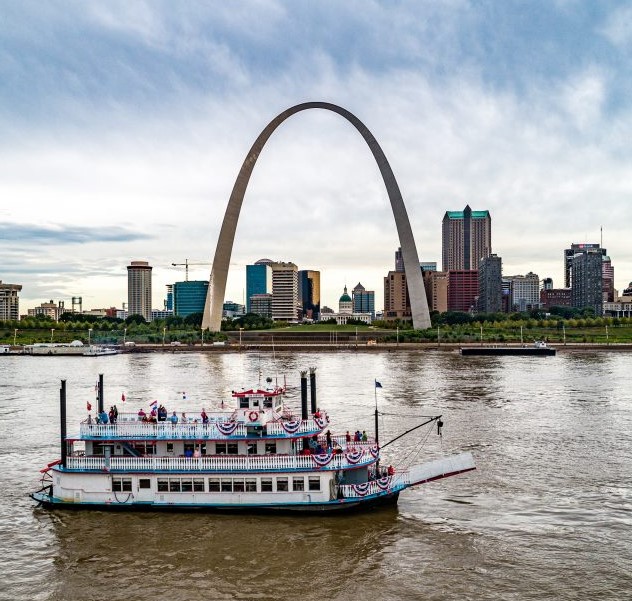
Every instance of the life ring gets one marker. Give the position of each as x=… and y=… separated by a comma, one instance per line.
x=253, y=416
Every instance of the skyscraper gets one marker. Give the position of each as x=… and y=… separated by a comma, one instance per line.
x=189, y=297
x=396, y=299
x=363, y=300
x=490, y=291
x=569, y=254
x=258, y=280
x=284, y=291
x=9, y=301
x=587, y=280
x=525, y=291
x=466, y=239
x=139, y=289
x=309, y=293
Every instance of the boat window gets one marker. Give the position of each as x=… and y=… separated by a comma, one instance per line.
x=163, y=485
x=220, y=448
x=198, y=484
x=298, y=484
x=281, y=484
x=187, y=485
x=144, y=483
x=227, y=485
x=174, y=485
x=122, y=484
x=267, y=402
x=213, y=484
x=314, y=483
x=271, y=448
x=232, y=448
x=266, y=484
x=244, y=402
x=239, y=485
x=203, y=448
x=251, y=485
x=252, y=448
x=169, y=447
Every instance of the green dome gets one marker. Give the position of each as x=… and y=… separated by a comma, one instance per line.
x=345, y=298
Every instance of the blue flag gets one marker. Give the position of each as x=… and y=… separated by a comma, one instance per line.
x=377, y=384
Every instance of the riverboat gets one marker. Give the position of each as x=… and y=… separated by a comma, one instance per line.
x=538, y=349
x=257, y=455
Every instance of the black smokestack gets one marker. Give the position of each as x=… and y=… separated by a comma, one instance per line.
x=312, y=387
x=100, y=397
x=62, y=417
x=303, y=395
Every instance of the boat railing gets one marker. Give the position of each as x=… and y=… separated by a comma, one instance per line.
x=291, y=427
x=386, y=484
x=163, y=430
x=222, y=463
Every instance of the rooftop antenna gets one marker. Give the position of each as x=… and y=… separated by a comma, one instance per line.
x=601, y=236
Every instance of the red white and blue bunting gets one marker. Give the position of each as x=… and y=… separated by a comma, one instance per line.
x=291, y=427
x=226, y=428
x=375, y=451
x=321, y=422
x=354, y=456
x=323, y=460
x=384, y=483
x=361, y=489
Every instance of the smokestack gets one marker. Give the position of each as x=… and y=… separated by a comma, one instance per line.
x=312, y=386
x=100, y=397
x=303, y=395
x=62, y=417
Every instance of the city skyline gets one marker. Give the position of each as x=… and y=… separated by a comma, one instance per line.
x=130, y=151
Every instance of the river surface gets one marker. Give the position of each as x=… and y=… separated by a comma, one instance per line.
x=547, y=514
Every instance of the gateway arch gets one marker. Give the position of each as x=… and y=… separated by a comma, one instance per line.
x=217, y=284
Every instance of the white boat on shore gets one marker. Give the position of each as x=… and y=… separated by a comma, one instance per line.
x=256, y=456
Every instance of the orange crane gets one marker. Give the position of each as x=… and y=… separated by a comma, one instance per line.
x=186, y=267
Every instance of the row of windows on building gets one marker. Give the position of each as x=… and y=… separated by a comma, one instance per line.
x=219, y=448
x=229, y=485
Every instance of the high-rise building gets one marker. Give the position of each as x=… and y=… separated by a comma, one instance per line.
x=462, y=289
x=189, y=297
x=258, y=280
x=309, y=293
x=284, y=291
x=436, y=284
x=139, y=289
x=261, y=304
x=9, y=301
x=607, y=274
x=466, y=239
x=399, y=260
x=587, y=280
x=169, y=298
x=363, y=300
x=570, y=253
x=50, y=309
x=525, y=291
x=490, y=291
x=396, y=300
x=555, y=297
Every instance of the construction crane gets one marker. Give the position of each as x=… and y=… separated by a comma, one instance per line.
x=186, y=267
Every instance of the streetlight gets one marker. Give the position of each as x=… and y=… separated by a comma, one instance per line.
x=438, y=337
x=124, y=335
x=397, y=335
x=240, y=331
x=607, y=335
x=202, y=336
x=89, y=336
x=564, y=333
x=15, y=335
x=52, y=330
x=164, y=331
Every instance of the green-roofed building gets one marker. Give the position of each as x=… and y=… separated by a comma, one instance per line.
x=466, y=239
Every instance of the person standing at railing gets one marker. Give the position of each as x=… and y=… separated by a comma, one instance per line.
x=162, y=413
x=204, y=416
x=174, y=419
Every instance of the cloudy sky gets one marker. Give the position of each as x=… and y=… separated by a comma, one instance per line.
x=124, y=124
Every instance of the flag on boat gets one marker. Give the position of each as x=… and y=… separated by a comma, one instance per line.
x=123, y=397
x=377, y=384
x=88, y=406
x=153, y=403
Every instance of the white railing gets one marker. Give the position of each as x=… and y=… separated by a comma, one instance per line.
x=160, y=430
x=307, y=426
x=223, y=463
x=386, y=485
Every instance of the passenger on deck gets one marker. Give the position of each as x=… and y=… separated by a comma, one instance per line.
x=348, y=437
x=111, y=416
x=103, y=417
x=204, y=416
x=162, y=413
x=391, y=470
x=365, y=438
x=357, y=437
x=141, y=414
x=328, y=439
x=184, y=419
x=174, y=418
